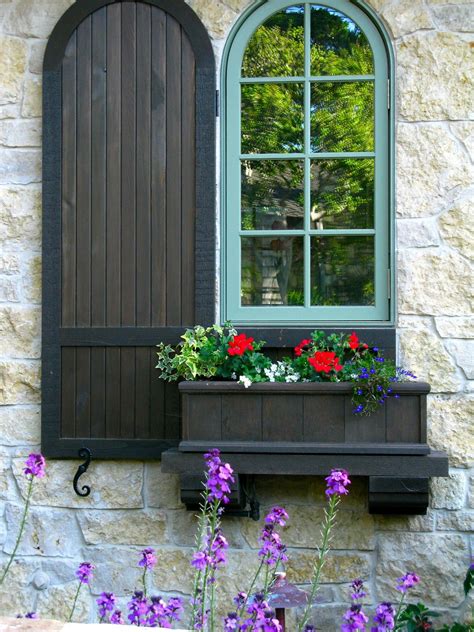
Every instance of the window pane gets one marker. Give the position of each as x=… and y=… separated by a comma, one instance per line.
x=338, y=46
x=342, y=116
x=276, y=49
x=272, y=194
x=272, y=118
x=342, y=271
x=272, y=271
x=342, y=193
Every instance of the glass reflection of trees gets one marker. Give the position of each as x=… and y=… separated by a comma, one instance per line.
x=341, y=120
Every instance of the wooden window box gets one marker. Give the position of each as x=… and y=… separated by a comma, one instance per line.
x=301, y=429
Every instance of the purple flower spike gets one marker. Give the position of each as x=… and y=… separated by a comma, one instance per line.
x=231, y=622
x=277, y=516
x=116, y=618
x=354, y=619
x=138, y=609
x=358, y=591
x=106, y=603
x=219, y=477
x=384, y=618
x=407, y=581
x=199, y=560
x=148, y=558
x=84, y=572
x=337, y=483
x=35, y=466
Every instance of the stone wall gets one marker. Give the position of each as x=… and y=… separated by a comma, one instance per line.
x=133, y=503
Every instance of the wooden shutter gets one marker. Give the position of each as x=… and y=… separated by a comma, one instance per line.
x=129, y=219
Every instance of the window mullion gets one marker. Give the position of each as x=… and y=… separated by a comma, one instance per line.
x=307, y=151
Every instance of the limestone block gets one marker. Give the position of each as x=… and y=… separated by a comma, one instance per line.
x=424, y=354
x=19, y=425
x=435, y=78
x=430, y=165
x=455, y=326
x=471, y=492
x=437, y=283
x=216, y=16
x=143, y=528
x=174, y=573
x=9, y=111
x=456, y=227
x=9, y=263
x=48, y=532
x=9, y=289
x=36, y=55
x=464, y=131
x=20, y=218
x=404, y=16
x=32, y=280
x=454, y=18
x=19, y=382
x=450, y=428
x=417, y=233
x=56, y=602
x=405, y=523
x=35, y=21
x=20, y=329
x=20, y=166
x=20, y=133
x=13, y=55
x=441, y=560
x=456, y=521
x=7, y=488
x=161, y=490
x=115, y=485
x=339, y=567
x=16, y=592
x=463, y=353
x=449, y=492
x=184, y=526
x=32, y=105
x=117, y=570
x=355, y=529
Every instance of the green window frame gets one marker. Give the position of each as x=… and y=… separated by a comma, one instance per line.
x=380, y=311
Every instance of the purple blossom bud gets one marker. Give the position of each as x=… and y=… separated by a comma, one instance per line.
x=384, y=618
x=277, y=516
x=218, y=477
x=354, y=619
x=273, y=550
x=148, y=559
x=106, y=603
x=84, y=573
x=138, y=609
x=240, y=599
x=116, y=618
x=35, y=466
x=199, y=560
x=337, y=483
x=28, y=615
x=358, y=591
x=231, y=622
x=407, y=581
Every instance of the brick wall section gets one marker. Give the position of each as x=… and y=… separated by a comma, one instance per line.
x=134, y=504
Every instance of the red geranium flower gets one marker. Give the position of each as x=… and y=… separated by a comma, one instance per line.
x=239, y=345
x=353, y=340
x=325, y=361
x=299, y=348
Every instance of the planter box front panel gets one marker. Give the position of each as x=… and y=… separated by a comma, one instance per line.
x=308, y=414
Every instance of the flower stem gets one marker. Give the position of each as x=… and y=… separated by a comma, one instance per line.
x=323, y=550
x=144, y=581
x=202, y=524
x=20, y=533
x=74, y=602
x=399, y=611
x=213, y=523
x=249, y=592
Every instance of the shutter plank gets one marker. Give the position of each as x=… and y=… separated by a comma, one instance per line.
x=128, y=182
x=113, y=387
x=83, y=200
x=114, y=164
x=143, y=271
x=68, y=247
x=173, y=172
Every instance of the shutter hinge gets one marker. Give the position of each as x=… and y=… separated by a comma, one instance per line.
x=389, y=283
x=388, y=94
x=217, y=102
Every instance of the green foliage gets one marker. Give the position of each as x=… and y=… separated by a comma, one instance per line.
x=416, y=618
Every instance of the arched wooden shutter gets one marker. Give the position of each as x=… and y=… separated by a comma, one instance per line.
x=129, y=221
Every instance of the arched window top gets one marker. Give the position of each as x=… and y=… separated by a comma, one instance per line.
x=307, y=205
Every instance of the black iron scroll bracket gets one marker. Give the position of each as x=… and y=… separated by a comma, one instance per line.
x=84, y=453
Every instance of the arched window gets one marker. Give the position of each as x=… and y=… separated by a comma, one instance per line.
x=307, y=164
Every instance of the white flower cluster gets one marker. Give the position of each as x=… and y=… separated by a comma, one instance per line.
x=243, y=379
x=282, y=372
